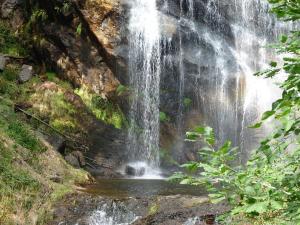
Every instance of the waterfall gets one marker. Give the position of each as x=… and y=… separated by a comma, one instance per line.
x=204, y=51
x=144, y=73
x=217, y=48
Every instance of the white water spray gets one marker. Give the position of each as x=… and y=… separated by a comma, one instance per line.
x=144, y=69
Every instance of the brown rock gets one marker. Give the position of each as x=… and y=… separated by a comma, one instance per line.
x=80, y=157
x=72, y=160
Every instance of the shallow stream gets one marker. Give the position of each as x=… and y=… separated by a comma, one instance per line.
x=119, y=188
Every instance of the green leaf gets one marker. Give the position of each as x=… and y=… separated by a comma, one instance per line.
x=192, y=166
x=273, y=64
x=186, y=181
x=259, y=207
x=276, y=205
x=257, y=125
x=289, y=125
x=121, y=89
x=268, y=114
x=250, y=190
x=216, y=198
x=192, y=136
x=283, y=38
x=79, y=29
x=163, y=117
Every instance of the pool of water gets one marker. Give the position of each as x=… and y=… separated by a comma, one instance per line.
x=141, y=188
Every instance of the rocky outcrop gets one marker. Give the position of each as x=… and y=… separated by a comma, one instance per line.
x=81, y=40
x=80, y=49
x=160, y=210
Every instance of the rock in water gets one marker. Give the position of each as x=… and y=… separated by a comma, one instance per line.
x=131, y=171
x=26, y=73
x=2, y=63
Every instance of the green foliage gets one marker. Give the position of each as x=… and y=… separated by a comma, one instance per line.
x=269, y=184
x=7, y=88
x=187, y=102
x=286, y=9
x=64, y=8
x=163, y=117
x=10, y=73
x=154, y=208
x=14, y=182
x=79, y=29
x=51, y=76
x=8, y=78
x=9, y=42
x=23, y=136
x=206, y=133
x=103, y=109
x=11, y=178
x=18, y=131
x=37, y=16
x=61, y=114
x=261, y=187
x=121, y=89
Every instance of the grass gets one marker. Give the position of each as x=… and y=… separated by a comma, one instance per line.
x=17, y=130
x=26, y=166
x=53, y=77
x=9, y=42
x=17, y=186
x=22, y=136
x=103, y=109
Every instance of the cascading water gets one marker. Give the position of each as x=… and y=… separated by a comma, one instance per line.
x=203, y=51
x=217, y=47
x=144, y=71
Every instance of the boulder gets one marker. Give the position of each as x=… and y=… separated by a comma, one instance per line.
x=26, y=73
x=80, y=157
x=72, y=160
x=8, y=6
x=3, y=61
x=131, y=171
x=76, y=159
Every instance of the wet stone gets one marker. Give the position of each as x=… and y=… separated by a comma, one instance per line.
x=3, y=61
x=26, y=73
x=131, y=171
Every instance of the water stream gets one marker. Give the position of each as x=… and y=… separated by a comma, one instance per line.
x=194, y=61
x=144, y=67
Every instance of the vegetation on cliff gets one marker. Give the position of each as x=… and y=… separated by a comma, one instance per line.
x=33, y=174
